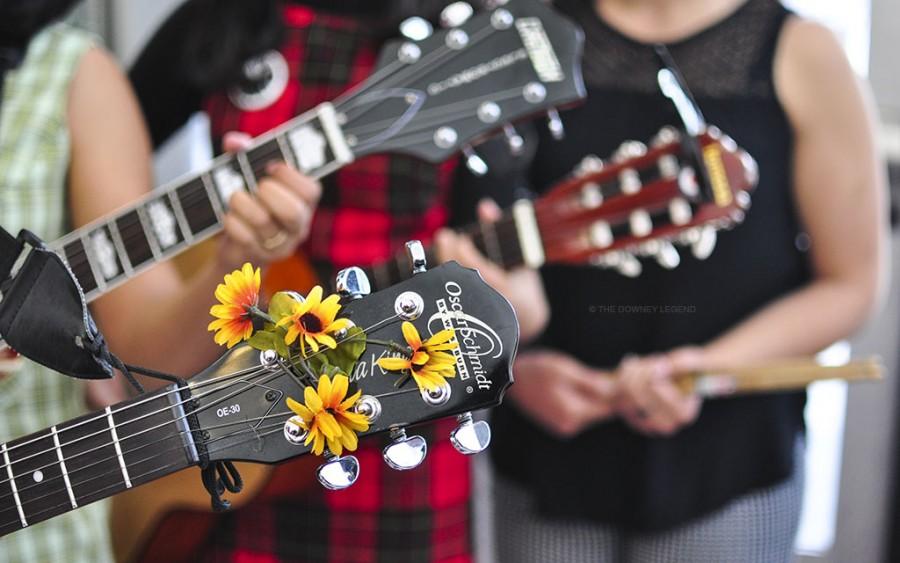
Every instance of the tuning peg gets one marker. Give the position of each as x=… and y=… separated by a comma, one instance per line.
x=417, y=259
x=456, y=14
x=470, y=437
x=352, y=283
x=680, y=211
x=629, y=150
x=514, y=140
x=641, y=223
x=628, y=265
x=416, y=28
x=743, y=200
x=590, y=164
x=666, y=136
x=751, y=169
x=601, y=235
x=338, y=472
x=555, y=125
x=404, y=453
x=667, y=255
x=474, y=163
x=703, y=247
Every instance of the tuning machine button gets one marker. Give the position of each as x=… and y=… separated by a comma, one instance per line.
x=590, y=164
x=474, y=163
x=630, y=150
x=470, y=437
x=338, y=473
x=416, y=28
x=352, y=283
x=666, y=136
x=417, y=258
x=628, y=265
x=404, y=453
x=680, y=211
x=515, y=141
x=667, y=255
x=641, y=223
x=456, y=14
x=555, y=125
x=705, y=243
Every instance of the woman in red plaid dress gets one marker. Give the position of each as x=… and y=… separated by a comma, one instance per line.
x=303, y=54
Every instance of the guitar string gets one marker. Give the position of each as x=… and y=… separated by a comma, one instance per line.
x=181, y=403
x=255, y=431
x=430, y=63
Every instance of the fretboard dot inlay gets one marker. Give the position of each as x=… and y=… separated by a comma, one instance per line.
x=105, y=253
x=163, y=223
x=38, y=476
x=309, y=146
x=228, y=181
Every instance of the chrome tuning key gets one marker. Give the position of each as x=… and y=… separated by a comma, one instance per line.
x=628, y=265
x=416, y=28
x=470, y=437
x=555, y=125
x=667, y=255
x=353, y=283
x=456, y=14
x=514, y=140
x=474, y=163
x=338, y=473
x=417, y=258
x=705, y=243
x=404, y=453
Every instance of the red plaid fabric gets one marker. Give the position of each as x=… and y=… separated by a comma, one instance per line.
x=371, y=207
x=368, y=210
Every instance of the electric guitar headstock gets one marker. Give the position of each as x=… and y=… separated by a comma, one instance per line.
x=434, y=95
x=240, y=402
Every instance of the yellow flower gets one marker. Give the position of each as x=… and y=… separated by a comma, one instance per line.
x=236, y=296
x=429, y=363
x=328, y=417
x=314, y=321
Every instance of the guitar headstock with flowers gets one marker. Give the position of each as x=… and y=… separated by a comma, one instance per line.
x=313, y=374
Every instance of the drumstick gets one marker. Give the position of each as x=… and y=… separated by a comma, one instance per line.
x=781, y=376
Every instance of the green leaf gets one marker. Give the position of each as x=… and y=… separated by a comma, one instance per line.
x=281, y=348
x=345, y=356
x=281, y=306
x=263, y=340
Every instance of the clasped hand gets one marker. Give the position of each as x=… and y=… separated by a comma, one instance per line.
x=566, y=396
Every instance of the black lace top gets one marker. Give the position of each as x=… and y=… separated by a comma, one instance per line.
x=610, y=473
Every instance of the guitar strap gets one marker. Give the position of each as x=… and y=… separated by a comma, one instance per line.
x=43, y=312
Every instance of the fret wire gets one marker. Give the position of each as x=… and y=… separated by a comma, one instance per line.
x=62, y=466
x=115, y=437
x=247, y=172
x=186, y=234
x=212, y=194
x=151, y=236
x=12, y=484
x=119, y=243
x=91, y=260
x=286, y=151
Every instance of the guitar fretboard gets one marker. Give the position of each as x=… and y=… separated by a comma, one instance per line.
x=498, y=241
x=93, y=457
x=108, y=252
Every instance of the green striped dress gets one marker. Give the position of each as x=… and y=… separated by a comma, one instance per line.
x=34, y=159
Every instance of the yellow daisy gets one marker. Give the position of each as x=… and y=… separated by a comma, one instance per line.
x=329, y=417
x=429, y=362
x=236, y=296
x=314, y=321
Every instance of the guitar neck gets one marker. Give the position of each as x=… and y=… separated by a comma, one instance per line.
x=93, y=457
x=501, y=242
x=112, y=250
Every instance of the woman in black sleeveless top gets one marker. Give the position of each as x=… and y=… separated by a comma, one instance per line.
x=600, y=459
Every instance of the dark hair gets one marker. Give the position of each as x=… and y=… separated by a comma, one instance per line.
x=227, y=33
x=22, y=19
